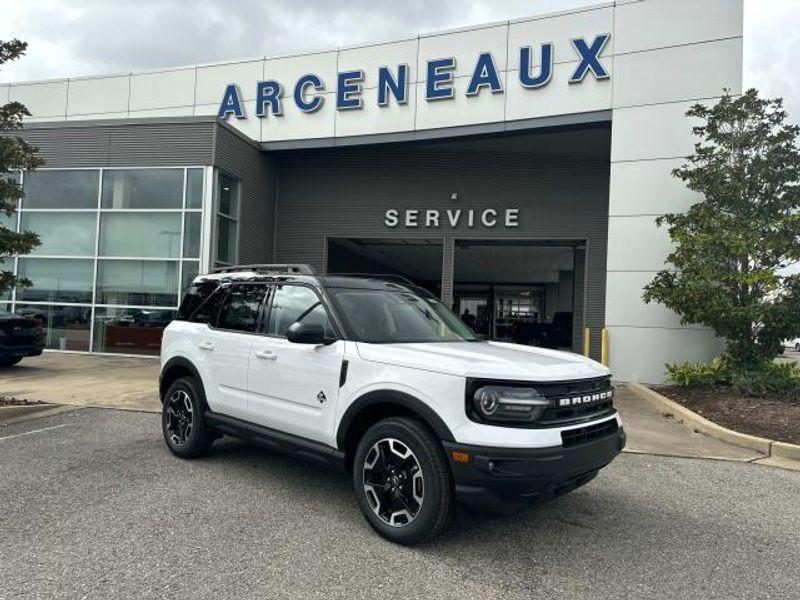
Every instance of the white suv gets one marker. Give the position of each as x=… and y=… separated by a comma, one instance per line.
x=381, y=379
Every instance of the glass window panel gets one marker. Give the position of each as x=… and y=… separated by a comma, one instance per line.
x=67, y=327
x=130, y=330
x=228, y=196
x=226, y=240
x=194, y=188
x=61, y=189
x=62, y=234
x=140, y=282
x=56, y=279
x=294, y=302
x=191, y=235
x=241, y=308
x=191, y=268
x=149, y=235
x=142, y=188
x=8, y=221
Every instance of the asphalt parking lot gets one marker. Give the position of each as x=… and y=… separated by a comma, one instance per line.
x=93, y=506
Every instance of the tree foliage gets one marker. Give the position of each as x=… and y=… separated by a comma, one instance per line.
x=15, y=155
x=727, y=270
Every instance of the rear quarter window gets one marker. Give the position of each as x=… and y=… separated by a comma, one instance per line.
x=195, y=296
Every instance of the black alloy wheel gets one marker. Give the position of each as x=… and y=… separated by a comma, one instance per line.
x=182, y=420
x=402, y=480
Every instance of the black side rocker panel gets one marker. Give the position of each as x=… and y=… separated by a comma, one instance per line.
x=272, y=439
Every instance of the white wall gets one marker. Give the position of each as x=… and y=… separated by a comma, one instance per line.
x=659, y=72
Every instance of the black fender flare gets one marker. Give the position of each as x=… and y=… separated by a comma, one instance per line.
x=402, y=399
x=183, y=363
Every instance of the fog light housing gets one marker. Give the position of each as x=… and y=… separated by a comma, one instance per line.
x=497, y=403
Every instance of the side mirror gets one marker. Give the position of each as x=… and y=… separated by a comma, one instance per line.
x=306, y=333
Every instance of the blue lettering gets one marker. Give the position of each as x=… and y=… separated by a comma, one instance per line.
x=348, y=89
x=388, y=84
x=440, y=79
x=231, y=105
x=315, y=102
x=545, y=71
x=269, y=93
x=484, y=75
x=590, y=58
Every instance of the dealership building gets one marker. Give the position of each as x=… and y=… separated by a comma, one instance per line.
x=515, y=169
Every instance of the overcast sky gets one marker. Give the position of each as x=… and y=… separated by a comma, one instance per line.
x=88, y=37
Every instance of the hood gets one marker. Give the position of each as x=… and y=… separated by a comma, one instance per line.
x=489, y=360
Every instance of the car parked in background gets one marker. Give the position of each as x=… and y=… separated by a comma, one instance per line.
x=794, y=344
x=19, y=337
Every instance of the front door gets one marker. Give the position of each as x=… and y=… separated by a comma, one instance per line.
x=294, y=387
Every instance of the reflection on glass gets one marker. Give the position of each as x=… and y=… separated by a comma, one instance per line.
x=62, y=234
x=194, y=188
x=142, y=188
x=191, y=268
x=191, y=235
x=138, y=282
x=228, y=196
x=130, y=330
x=61, y=189
x=226, y=240
x=147, y=235
x=67, y=327
x=56, y=279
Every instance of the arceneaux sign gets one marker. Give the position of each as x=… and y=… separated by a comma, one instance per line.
x=439, y=85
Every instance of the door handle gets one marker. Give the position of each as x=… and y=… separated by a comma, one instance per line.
x=266, y=355
x=206, y=345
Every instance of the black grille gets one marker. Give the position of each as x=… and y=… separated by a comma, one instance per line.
x=583, y=435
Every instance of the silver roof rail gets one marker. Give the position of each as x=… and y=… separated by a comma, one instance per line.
x=283, y=268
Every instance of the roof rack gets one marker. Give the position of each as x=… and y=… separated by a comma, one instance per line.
x=286, y=268
x=387, y=276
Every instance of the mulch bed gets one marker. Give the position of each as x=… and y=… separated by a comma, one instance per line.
x=6, y=401
x=772, y=418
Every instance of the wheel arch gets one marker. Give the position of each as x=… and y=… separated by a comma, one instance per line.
x=174, y=369
x=380, y=404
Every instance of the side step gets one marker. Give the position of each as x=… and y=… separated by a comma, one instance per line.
x=272, y=439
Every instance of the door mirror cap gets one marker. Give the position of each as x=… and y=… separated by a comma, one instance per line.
x=306, y=333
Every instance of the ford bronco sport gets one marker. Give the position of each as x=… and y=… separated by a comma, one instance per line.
x=378, y=377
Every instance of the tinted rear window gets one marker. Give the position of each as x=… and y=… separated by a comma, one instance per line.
x=196, y=295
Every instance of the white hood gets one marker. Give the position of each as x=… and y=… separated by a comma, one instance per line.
x=490, y=360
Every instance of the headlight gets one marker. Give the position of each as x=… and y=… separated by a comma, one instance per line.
x=502, y=403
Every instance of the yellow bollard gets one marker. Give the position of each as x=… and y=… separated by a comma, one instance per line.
x=604, y=346
x=587, y=339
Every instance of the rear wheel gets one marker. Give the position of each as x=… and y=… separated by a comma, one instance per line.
x=7, y=361
x=182, y=420
x=402, y=481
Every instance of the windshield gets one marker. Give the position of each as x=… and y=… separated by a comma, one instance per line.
x=402, y=316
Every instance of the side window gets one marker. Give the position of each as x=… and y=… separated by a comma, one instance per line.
x=296, y=303
x=208, y=310
x=240, y=310
x=195, y=296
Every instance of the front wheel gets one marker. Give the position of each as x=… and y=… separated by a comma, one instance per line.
x=402, y=481
x=182, y=420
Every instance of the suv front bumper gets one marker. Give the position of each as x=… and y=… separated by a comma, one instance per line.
x=506, y=479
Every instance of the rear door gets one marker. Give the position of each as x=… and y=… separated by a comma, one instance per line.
x=225, y=345
x=294, y=387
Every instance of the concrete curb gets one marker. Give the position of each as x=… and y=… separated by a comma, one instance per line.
x=15, y=411
x=757, y=444
x=44, y=410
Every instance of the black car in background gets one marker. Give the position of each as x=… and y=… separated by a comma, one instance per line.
x=19, y=337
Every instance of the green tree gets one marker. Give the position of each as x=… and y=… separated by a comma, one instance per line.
x=727, y=268
x=15, y=155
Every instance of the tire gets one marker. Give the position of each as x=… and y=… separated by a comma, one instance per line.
x=182, y=420
x=402, y=481
x=8, y=361
x=797, y=347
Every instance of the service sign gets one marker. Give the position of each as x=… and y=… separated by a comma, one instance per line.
x=393, y=83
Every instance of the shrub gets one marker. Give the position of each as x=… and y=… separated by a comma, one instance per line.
x=700, y=374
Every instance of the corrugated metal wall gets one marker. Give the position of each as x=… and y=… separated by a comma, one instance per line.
x=124, y=144
x=345, y=192
x=242, y=159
